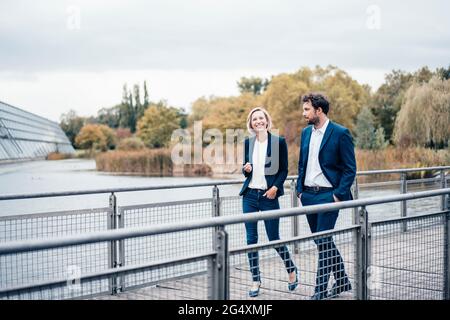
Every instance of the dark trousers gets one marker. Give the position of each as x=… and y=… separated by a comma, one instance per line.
x=329, y=256
x=254, y=201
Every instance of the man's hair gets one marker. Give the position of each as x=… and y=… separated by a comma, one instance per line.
x=317, y=100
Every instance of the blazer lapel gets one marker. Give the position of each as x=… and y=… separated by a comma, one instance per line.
x=269, y=146
x=251, y=146
x=327, y=135
x=306, y=143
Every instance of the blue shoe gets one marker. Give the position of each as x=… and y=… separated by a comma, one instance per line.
x=254, y=290
x=293, y=285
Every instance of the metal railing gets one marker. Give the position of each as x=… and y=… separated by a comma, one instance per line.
x=219, y=260
x=199, y=244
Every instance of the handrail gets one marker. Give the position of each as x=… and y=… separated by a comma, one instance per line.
x=119, y=234
x=185, y=185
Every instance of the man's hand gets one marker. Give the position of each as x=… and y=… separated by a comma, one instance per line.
x=271, y=193
x=248, y=167
x=336, y=199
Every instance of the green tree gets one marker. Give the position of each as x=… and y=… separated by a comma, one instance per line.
x=443, y=73
x=138, y=106
x=156, y=126
x=390, y=96
x=379, y=141
x=424, y=118
x=146, y=99
x=109, y=116
x=365, y=129
x=253, y=85
x=71, y=124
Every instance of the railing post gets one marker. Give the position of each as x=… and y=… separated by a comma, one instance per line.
x=355, y=193
x=294, y=219
x=447, y=257
x=403, y=204
x=215, y=210
x=219, y=287
x=121, y=247
x=362, y=257
x=112, y=245
x=215, y=202
x=443, y=186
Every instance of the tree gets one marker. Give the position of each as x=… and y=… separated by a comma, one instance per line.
x=389, y=98
x=71, y=124
x=282, y=98
x=365, y=129
x=138, y=107
x=109, y=116
x=253, y=85
x=156, y=126
x=110, y=136
x=146, y=101
x=379, y=141
x=228, y=112
x=127, y=112
x=424, y=118
x=91, y=137
x=282, y=101
x=443, y=73
x=346, y=95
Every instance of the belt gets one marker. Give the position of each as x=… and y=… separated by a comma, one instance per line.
x=258, y=190
x=317, y=189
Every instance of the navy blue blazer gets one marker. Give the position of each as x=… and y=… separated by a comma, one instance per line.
x=276, y=167
x=336, y=159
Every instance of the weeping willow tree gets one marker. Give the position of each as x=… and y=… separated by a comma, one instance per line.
x=424, y=118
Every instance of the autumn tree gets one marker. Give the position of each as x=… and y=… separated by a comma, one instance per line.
x=157, y=124
x=95, y=137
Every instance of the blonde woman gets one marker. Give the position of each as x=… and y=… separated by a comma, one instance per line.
x=265, y=168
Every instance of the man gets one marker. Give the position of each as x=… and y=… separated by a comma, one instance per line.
x=326, y=170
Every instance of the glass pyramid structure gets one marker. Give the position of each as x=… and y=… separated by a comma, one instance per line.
x=24, y=135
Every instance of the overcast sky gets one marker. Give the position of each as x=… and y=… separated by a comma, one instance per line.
x=62, y=55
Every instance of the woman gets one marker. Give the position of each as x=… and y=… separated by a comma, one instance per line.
x=265, y=168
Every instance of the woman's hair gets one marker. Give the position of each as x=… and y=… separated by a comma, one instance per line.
x=249, y=119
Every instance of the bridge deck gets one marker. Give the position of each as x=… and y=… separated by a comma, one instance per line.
x=405, y=265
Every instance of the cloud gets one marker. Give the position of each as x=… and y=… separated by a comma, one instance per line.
x=226, y=34
x=54, y=53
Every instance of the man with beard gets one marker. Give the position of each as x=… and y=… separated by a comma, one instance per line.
x=326, y=170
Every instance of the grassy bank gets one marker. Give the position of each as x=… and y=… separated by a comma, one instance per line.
x=146, y=162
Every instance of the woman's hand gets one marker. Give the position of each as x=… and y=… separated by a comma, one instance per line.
x=271, y=193
x=248, y=167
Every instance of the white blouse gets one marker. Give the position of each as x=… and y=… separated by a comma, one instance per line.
x=259, y=160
